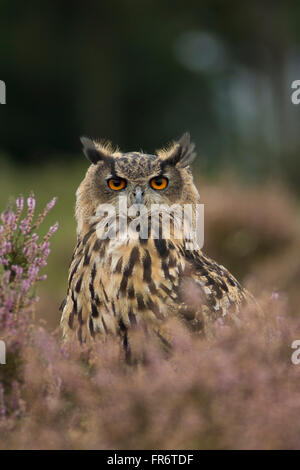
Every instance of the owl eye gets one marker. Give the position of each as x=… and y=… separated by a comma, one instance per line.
x=116, y=184
x=159, y=182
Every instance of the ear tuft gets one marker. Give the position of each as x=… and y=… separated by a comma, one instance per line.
x=92, y=153
x=181, y=153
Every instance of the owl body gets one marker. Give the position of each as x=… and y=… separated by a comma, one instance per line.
x=119, y=282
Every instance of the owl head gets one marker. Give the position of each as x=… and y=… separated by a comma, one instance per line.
x=163, y=178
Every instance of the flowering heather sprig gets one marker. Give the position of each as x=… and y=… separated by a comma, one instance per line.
x=21, y=259
x=47, y=209
x=20, y=206
x=51, y=232
x=31, y=207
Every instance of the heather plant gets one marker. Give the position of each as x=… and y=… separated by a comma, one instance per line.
x=22, y=256
x=235, y=388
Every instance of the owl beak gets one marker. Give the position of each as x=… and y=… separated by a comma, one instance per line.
x=138, y=194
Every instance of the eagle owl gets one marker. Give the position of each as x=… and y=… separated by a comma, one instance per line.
x=116, y=283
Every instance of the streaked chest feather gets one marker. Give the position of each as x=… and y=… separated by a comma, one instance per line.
x=116, y=284
x=123, y=283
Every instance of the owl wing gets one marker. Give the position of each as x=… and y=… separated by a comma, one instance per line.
x=208, y=291
x=71, y=307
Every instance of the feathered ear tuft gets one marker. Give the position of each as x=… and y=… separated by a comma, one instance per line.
x=181, y=153
x=93, y=151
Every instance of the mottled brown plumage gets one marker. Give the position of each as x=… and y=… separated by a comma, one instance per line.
x=117, y=284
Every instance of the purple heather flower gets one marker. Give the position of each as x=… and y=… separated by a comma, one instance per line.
x=8, y=303
x=32, y=271
x=50, y=205
x=51, y=231
x=3, y=261
x=9, y=219
x=5, y=248
x=16, y=281
x=41, y=217
x=25, y=226
x=34, y=237
x=30, y=250
x=18, y=270
x=4, y=217
x=26, y=284
x=20, y=203
x=31, y=204
x=20, y=206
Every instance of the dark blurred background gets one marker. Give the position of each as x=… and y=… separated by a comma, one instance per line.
x=140, y=73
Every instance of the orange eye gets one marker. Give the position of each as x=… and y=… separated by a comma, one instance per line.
x=159, y=182
x=116, y=183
